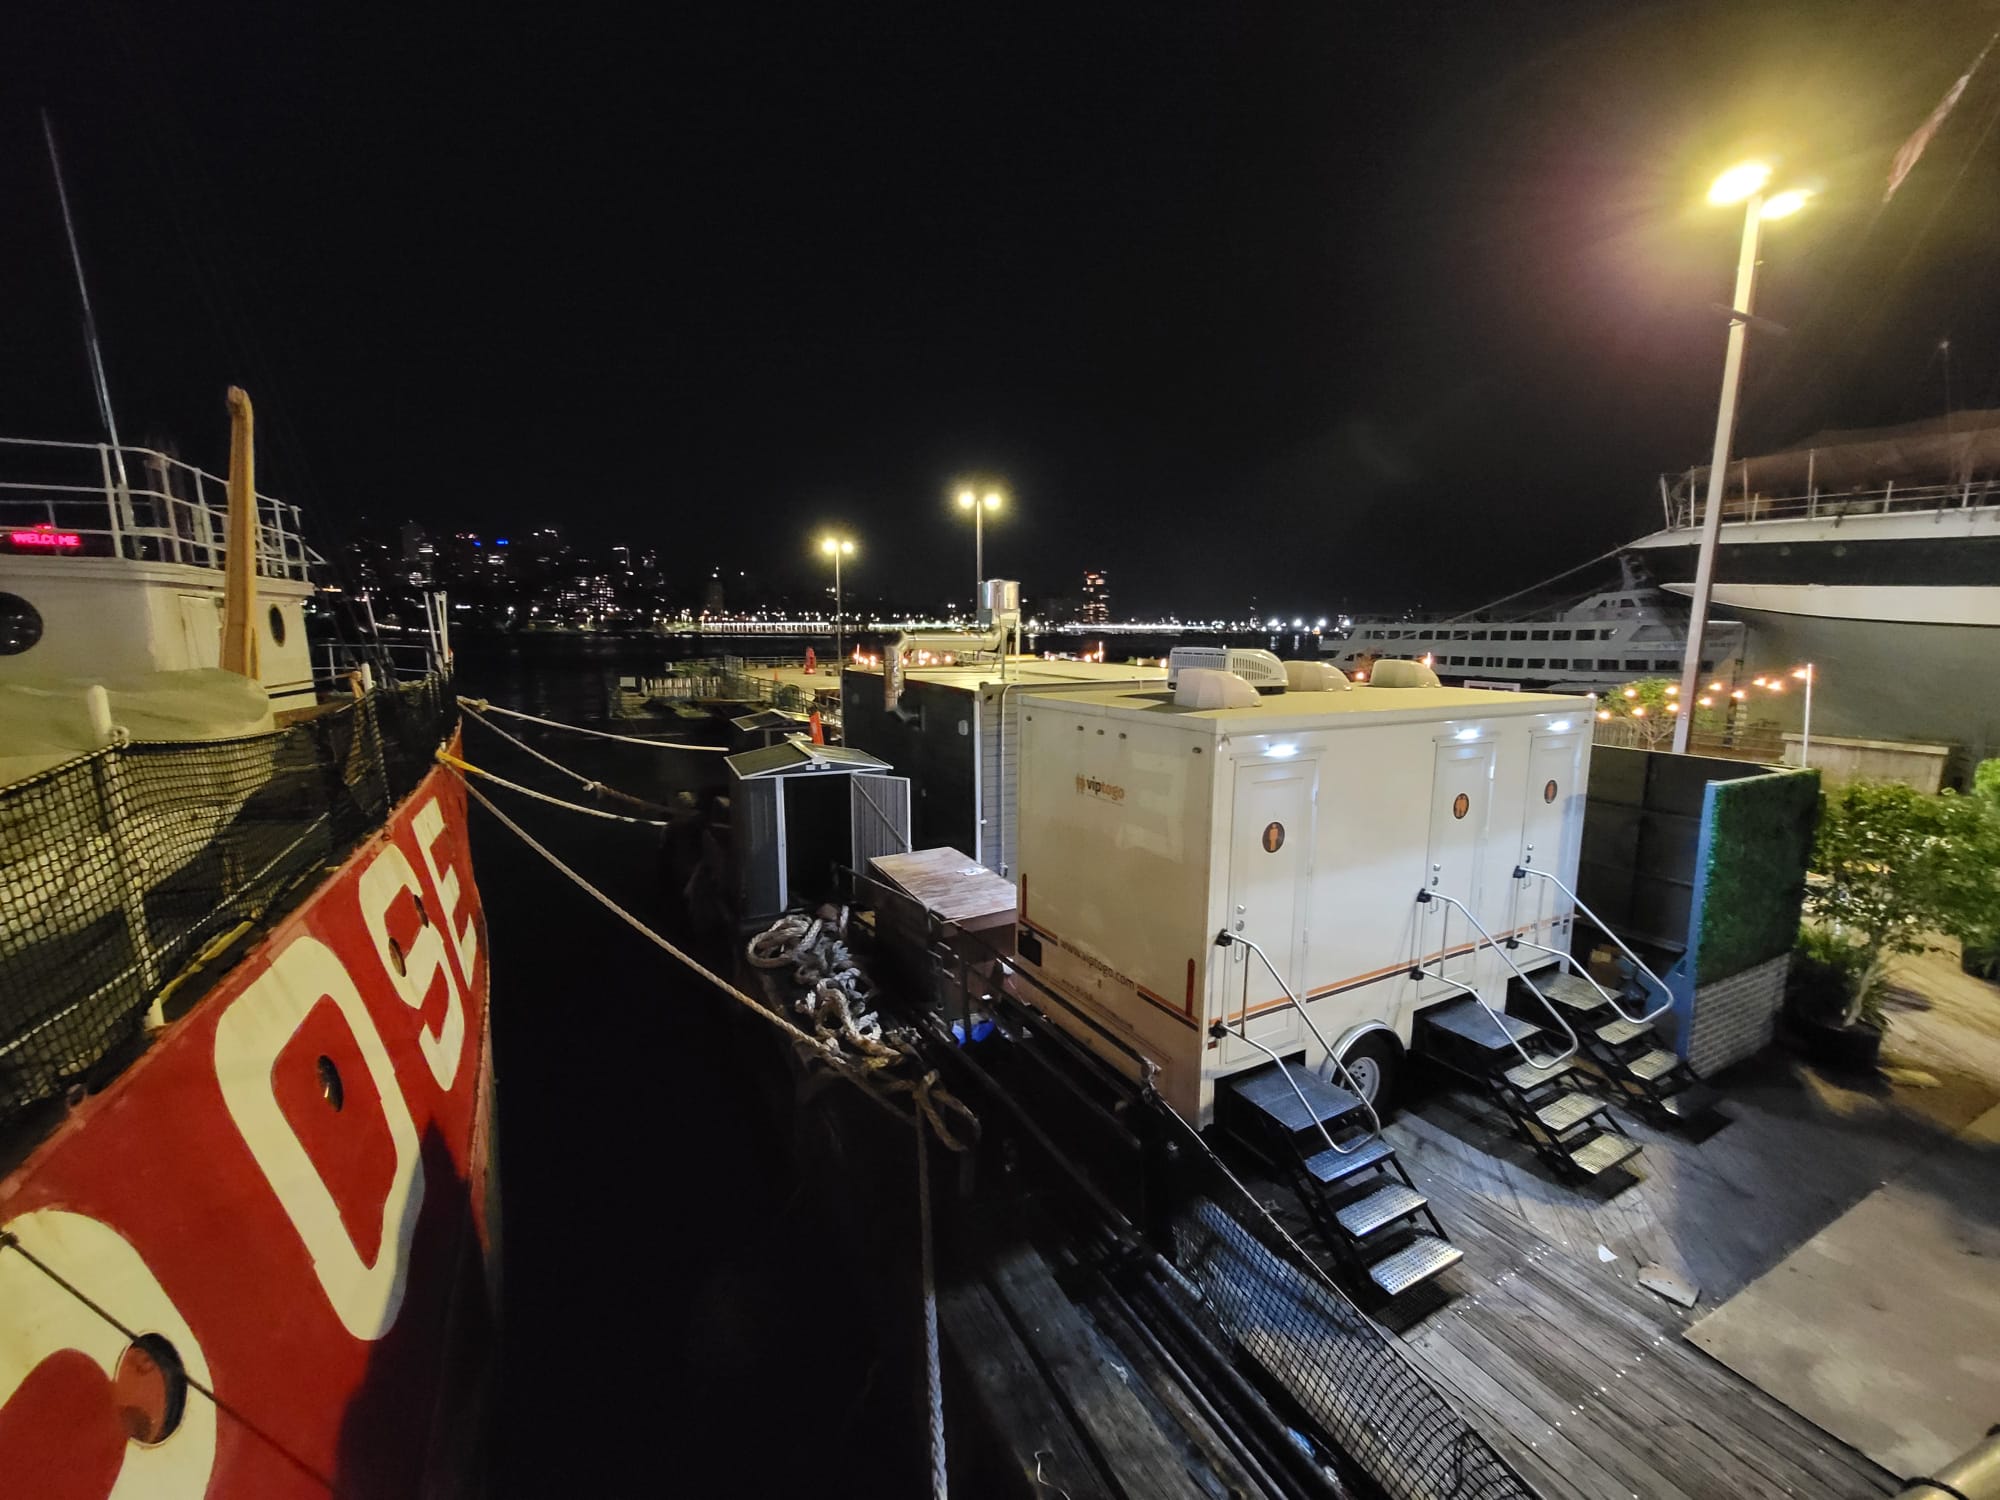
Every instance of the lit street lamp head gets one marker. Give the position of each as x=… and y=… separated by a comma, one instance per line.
x=1739, y=182
x=1783, y=205
x=837, y=547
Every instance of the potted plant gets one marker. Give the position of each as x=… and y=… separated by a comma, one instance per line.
x=1893, y=868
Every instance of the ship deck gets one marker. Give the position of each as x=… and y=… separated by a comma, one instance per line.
x=1581, y=1376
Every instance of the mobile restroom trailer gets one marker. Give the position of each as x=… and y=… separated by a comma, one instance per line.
x=955, y=732
x=1307, y=822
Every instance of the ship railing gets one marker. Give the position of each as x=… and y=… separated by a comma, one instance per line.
x=334, y=663
x=1686, y=510
x=94, y=500
x=124, y=872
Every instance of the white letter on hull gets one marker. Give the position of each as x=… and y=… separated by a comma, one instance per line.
x=39, y=1318
x=429, y=825
x=249, y=1039
x=381, y=883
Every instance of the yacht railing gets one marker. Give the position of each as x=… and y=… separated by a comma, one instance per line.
x=94, y=500
x=1686, y=509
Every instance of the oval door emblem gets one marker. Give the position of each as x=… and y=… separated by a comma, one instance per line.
x=1460, y=805
x=1549, y=792
x=1274, y=837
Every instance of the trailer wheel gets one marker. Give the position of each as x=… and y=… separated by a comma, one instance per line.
x=1374, y=1060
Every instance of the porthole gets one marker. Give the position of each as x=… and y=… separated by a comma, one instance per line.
x=277, y=618
x=330, y=1085
x=20, y=625
x=150, y=1389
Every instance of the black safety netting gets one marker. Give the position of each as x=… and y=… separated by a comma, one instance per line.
x=118, y=869
x=1316, y=1350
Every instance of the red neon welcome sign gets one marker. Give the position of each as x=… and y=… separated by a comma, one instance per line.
x=46, y=539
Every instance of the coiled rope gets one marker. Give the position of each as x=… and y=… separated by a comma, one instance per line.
x=482, y=706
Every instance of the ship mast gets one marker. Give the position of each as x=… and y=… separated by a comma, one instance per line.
x=99, y=384
x=239, y=575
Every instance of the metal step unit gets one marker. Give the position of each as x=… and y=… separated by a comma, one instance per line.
x=1381, y=1230
x=1630, y=1057
x=1573, y=1131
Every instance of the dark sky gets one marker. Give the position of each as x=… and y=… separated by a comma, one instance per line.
x=1330, y=304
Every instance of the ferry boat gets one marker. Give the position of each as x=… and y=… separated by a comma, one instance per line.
x=1590, y=644
x=247, y=1217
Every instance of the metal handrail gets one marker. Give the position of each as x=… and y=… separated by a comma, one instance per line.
x=1541, y=1064
x=1526, y=868
x=1223, y=940
x=1686, y=510
x=1221, y=1029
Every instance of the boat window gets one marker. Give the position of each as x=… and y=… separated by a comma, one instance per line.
x=20, y=625
x=1479, y=635
x=1708, y=666
x=1632, y=665
x=1559, y=635
x=1513, y=661
x=1538, y=661
x=1660, y=665
x=1607, y=663
x=1538, y=635
x=1584, y=635
x=1458, y=635
x=277, y=626
x=1558, y=663
x=1517, y=635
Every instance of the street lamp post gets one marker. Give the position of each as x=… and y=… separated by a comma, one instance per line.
x=978, y=505
x=1806, y=674
x=837, y=548
x=1743, y=184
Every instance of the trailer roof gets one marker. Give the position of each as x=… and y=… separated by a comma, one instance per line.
x=1305, y=710
x=1026, y=672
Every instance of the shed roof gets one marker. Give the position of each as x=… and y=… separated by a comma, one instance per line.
x=799, y=757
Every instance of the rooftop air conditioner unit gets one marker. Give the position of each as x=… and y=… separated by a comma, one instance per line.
x=1261, y=669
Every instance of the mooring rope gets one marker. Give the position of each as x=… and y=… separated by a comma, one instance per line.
x=468, y=769
x=482, y=705
x=930, y=1101
x=933, y=1376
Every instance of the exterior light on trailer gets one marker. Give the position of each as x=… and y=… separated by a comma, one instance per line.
x=1559, y=726
x=1466, y=734
x=1282, y=752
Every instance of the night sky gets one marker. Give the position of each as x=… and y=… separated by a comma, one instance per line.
x=1326, y=304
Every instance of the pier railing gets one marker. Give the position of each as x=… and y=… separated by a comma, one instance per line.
x=94, y=500
x=120, y=868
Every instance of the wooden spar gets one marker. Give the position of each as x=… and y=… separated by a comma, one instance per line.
x=239, y=577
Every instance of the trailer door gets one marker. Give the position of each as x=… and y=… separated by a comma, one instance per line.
x=1270, y=858
x=1551, y=827
x=1461, y=804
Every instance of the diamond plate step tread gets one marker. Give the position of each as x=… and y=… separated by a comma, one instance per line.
x=1414, y=1264
x=1574, y=991
x=1568, y=1109
x=1655, y=1064
x=1603, y=1152
x=1473, y=1022
x=1692, y=1102
x=1380, y=1209
x=1331, y=1166
x=1527, y=1075
x=1621, y=1031
x=1268, y=1093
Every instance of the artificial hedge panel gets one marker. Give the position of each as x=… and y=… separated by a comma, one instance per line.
x=1758, y=848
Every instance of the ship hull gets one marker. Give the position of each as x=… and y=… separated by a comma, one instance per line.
x=290, y=1196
